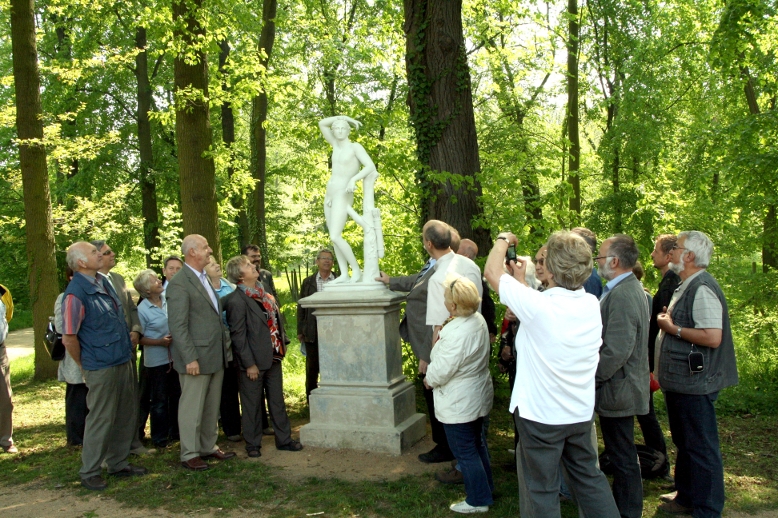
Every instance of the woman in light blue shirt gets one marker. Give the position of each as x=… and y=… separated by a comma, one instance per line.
x=156, y=340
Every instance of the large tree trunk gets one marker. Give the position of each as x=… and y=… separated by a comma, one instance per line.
x=259, y=134
x=196, y=169
x=441, y=106
x=574, y=157
x=145, y=170
x=35, y=180
x=228, y=137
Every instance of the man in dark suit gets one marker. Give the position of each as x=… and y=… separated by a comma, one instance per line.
x=200, y=352
x=306, y=320
x=415, y=331
x=621, y=381
x=133, y=324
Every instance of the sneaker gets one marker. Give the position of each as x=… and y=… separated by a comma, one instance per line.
x=669, y=497
x=450, y=476
x=95, y=483
x=674, y=507
x=465, y=508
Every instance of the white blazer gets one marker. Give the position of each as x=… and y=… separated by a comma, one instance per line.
x=459, y=371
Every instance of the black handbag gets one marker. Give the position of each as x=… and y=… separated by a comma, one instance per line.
x=54, y=345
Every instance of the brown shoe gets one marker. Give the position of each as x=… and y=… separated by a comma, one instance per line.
x=94, y=483
x=674, y=507
x=450, y=476
x=219, y=455
x=195, y=464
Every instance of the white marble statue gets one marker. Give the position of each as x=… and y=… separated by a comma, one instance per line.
x=350, y=163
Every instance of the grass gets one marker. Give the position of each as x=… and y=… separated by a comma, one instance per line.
x=22, y=319
x=749, y=448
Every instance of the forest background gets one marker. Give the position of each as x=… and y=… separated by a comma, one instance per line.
x=157, y=119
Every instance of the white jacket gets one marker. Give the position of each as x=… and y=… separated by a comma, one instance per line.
x=459, y=371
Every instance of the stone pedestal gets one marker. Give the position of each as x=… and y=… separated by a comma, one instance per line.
x=363, y=401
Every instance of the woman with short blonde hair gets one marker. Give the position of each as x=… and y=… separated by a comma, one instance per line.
x=463, y=392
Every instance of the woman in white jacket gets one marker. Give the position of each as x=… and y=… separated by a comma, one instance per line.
x=459, y=375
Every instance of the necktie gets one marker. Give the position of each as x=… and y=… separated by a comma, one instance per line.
x=207, y=285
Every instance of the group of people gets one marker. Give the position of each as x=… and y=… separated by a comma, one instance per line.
x=576, y=349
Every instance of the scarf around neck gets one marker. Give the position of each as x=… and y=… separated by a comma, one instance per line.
x=258, y=293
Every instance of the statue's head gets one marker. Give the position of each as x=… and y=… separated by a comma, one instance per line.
x=341, y=129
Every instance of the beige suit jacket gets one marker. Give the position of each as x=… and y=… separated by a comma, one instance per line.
x=195, y=325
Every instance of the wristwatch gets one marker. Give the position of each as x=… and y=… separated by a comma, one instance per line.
x=503, y=238
x=678, y=333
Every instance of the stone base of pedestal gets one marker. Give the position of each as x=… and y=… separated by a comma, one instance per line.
x=364, y=417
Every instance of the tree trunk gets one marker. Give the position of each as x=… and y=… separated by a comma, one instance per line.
x=145, y=169
x=196, y=169
x=441, y=106
x=35, y=180
x=228, y=137
x=259, y=134
x=574, y=157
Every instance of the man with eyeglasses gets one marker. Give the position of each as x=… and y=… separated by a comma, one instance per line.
x=306, y=320
x=116, y=281
x=622, y=380
x=695, y=359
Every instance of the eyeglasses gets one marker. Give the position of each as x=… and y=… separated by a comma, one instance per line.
x=603, y=257
x=539, y=262
x=676, y=247
x=108, y=252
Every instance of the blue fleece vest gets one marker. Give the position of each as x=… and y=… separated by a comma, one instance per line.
x=103, y=335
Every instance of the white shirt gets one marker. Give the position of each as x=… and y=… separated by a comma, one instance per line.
x=557, y=352
x=3, y=323
x=206, y=282
x=449, y=263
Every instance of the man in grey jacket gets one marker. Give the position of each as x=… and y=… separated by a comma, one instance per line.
x=200, y=351
x=622, y=381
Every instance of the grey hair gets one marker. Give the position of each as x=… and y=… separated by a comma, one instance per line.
x=624, y=247
x=324, y=251
x=142, y=282
x=99, y=244
x=232, y=268
x=529, y=273
x=188, y=243
x=76, y=254
x=700, y=244
x=569, y=259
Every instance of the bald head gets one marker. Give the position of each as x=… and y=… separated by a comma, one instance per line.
x=438, y=234
x=196, y=251
x=468, y=248
x=456, y=239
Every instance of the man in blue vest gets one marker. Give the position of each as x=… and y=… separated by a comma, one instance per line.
x=96, y=336
x=695, y=360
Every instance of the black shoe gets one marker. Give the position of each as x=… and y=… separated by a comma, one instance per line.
x=95, y=483
x=291, y=446
x=436, y=455
x=254, y=453
x=161, y=445
x=130, y=471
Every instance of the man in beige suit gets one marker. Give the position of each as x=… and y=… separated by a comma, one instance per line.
x=200, y=352
x=116, y=281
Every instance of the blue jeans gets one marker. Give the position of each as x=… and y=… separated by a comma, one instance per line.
x=699, y=471
x=163, y=410
x=467, y=445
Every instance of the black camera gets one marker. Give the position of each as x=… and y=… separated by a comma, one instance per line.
x=510, y=255
x=696, y=362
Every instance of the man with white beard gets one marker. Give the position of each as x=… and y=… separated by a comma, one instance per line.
x=695, y=359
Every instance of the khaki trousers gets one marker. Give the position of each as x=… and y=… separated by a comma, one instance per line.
x=198, y=413
x=110, y=424
x=6, y=402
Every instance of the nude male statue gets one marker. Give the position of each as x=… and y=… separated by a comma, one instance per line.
x=347, y=159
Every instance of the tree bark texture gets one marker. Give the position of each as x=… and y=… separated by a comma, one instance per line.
x=146, y=168
x=41, y=259
x=441, y=106
x=574, y=157
x=267, y=37
x=196, y=170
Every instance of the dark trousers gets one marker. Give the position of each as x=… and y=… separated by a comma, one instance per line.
x=652, y=432
x=230, y=406
x=467, y=443
x=311, y=367
x=540, y=448
x=144, y=396
x=165, y=392
x=272, y=381
x=438, y=432
x=699, y=471
x=619, y=439
x=75, y=413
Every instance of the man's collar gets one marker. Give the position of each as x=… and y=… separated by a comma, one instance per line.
x=318, y=276
x=613, y=282
x=199, y=273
